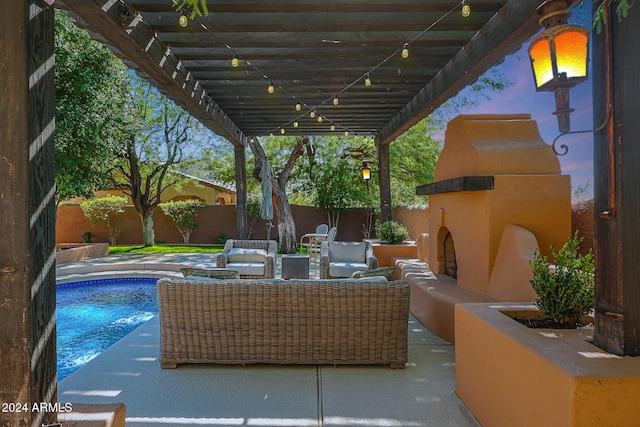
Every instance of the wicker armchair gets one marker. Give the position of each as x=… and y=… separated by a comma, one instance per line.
x=342, y=259
x=253, y=259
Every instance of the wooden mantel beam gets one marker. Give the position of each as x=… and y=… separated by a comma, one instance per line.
x=123, y=29
x=502, y=35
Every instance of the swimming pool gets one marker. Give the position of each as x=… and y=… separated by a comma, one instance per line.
x=93, y=315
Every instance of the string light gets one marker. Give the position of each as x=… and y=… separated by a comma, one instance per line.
x=183, y=21
x=405, y=51
x=295, y=124
x=466, y=8
x=319, y=119
x=235, y=62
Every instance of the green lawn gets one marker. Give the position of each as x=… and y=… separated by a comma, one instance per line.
x=164, y=249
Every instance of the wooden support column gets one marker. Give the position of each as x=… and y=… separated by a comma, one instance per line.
x=617, y=188
x=27, y=213
x=241, y=190
x=384, y=178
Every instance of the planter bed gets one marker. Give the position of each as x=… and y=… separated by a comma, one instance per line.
x=508, y=374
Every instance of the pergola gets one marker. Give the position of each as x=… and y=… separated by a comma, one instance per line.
x=312, y=55
x=312, y=51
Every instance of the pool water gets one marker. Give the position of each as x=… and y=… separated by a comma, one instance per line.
x=91, y=316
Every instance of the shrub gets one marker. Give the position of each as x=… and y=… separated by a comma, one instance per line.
x=222, y=238
x=87, y=237
x=182, y=213
x=105, y=210
x=567, y=292
x=392, y=232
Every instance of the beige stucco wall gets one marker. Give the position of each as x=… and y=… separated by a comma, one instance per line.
x=529, y=191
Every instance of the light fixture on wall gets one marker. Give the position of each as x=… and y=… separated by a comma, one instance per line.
x=366, y=173
x=559, y=56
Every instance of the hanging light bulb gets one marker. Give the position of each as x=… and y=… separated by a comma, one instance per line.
x=282, y=131
x=466, y=8
x=333, y=127
x=346, y=133
x=183, y=20
x=298, y=106
x=336, y=101
x=367, y=80
x=295, y=124
x=405, y=51
x=312, y=114
x=235, y=61
x=271, y=88
x=319, y=119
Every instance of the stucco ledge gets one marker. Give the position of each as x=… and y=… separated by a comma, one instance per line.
x=508, y=374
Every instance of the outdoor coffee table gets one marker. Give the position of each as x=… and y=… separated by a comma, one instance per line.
x=295, y=266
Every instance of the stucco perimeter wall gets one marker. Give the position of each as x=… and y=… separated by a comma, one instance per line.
x=414, y=218
x=212, y=220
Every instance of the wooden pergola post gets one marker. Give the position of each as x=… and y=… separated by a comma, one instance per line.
x=241, y=190
x=384, y=179
x=617, y=183
x=27, y=213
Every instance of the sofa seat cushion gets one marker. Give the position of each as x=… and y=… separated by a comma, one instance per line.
x=349, y=252
x=247, y=268
x=345, y=269
x=385, y=272
x=247, y=255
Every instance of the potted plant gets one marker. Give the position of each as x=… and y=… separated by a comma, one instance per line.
x=392, y=232
x=565, y=290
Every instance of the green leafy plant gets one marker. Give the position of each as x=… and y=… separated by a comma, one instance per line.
x=392, y=232
x=600, y=17
x=182, y=214
x=198, y=7
x=565, y=292
x=222, y=238
x=105, y=210
x=87, y=237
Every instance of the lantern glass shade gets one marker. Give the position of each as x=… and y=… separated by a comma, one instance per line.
x=366, y=172
x=559, y=57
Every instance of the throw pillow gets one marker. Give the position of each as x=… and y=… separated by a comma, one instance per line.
x=386, y=272
x=212, y=273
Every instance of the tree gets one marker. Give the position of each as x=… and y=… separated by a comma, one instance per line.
x=105, y=210
x=281, y=206
x=182, y=214
x=159, y=133
x=90, y=87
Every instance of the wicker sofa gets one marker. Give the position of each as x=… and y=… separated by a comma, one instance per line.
x=341, y=321
x=253, y=259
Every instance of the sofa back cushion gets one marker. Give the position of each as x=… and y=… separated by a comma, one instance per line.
x=247, y=255
x=347, y=251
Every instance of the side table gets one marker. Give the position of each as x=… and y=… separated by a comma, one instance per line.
x=295, y=266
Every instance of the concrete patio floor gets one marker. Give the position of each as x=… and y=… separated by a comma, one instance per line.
x=423, y=394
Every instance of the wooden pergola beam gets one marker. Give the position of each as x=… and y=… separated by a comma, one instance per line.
x=502, y=35
x=133, y=38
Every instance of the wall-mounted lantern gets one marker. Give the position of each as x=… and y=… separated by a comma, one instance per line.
x=366, y=173
x=559, y=56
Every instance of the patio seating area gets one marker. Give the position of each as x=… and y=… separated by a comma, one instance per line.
x=423, y=394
